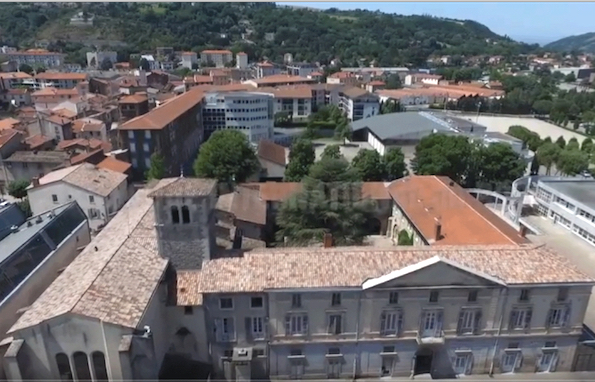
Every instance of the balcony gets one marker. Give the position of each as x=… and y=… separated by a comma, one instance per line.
x=430, y=338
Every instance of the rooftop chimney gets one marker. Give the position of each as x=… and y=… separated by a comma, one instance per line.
x=328, y=240
x=438, y=230
x=35, y=181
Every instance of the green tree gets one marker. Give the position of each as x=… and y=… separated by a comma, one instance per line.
x=332, y=151
x=393, y=81
x=106, y=64
x=542, y=107
x=26, y=68
x=390, y=106
x=157, y=168
x=226, y=156
x=18, y=188
x=587, y=145
x=440, y=154
x=572, y=162
x=343, y=132
x=394, y=160
x=144, y=64
x=530, y=139
x=547, y=155
x=570, y=77
x=25, y=207
x=404, y=238
x=330, y=170
x=573, y=144
x=535, y=165
x=561, y=142
x=500, y=165
x=301, y=158
x=370, y=166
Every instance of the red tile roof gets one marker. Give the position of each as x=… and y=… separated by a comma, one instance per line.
x=114, y=164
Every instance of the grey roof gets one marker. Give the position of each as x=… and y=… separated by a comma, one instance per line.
x=582, y=191
x=407, y=125
x=39, y=157
x=186, y=187
x=10, y=215
x=501, y=136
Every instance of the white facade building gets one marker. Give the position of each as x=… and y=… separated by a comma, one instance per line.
x=569, y=203
x=241, y=60
x=189, y=59
x=37, y=57
x=99, y=192
x=358, y=104
x=216, y=57
x=249, y=112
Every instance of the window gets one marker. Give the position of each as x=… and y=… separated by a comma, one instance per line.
x=393, y=298
x=296, y=301
x=147, y=134
x=333, y=351
x=296, y=352
x=335, y=324
x=175, y=215
x=227, y=353
x=558, y=317
x=187, y=310
x=147, y=162
x=390, y=323
x=388, y=349
x=258, y=352
x=524, y=295
x=469, y=320
x=185, y=215
x=257, y=327
x=99, y=366
x=131, y=135
x=64, y=367
x=146, y=147
x=224, y=329
x=81, y=366
x=434, y=296
x=549, y=344
x=91, y=199
x=54, y=198
x=133, y=147
x=520, y=319
x=226, y=303
x=256, y=302
x=562, y=294
x=472, y=297
x=336, y=299
x=296, y=324
x=93, y=213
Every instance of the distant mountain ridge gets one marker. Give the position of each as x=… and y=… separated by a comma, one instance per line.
x=583, y=42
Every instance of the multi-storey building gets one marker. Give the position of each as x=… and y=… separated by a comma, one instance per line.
x=265, y=69
x=216, y=57
x=569, y=203
x=302, y=69
x=60, y=80
x=189, y=59
x=293, y=100
x=173, y=129
x=249, y=112
x=358, y=104
x=37, y=57
x=146, y=298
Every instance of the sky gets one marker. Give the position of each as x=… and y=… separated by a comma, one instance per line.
x=531, y=22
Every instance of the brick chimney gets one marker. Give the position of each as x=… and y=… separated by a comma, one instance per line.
x=438, y=230
x=35, y=181
x=328, y=240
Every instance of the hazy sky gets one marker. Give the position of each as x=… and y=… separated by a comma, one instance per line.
x=532, y=22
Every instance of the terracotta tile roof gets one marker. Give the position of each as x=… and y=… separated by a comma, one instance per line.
x=163, y=115
x=289, y=92
x=342, y=75
x=281, y=79
x=34, y=52
x=9, y=123
x=134, y=98
x=464, y=220
x=245, y=204
x=37, y=140
x=375, y=190
x=61, y=76
x=8, y=134
x=199, y=79
x=377, y=83
x=87, y=124
x=265, y=64
x=115, y=276
x=242, y=54
x=66, y=113
x=188, y=54
x=272, y=152
x=226, y=88
x=186, y=187
x=215, y=51
x=315, y=74
x=88, y=177
x=57, y=119
x=280, y=191
x=17, y=91
x=353, y=92
x=111, y=163
x=312, y=268
x=53, y=92
x=90, y=143
x=82, y=157
x=14, y=75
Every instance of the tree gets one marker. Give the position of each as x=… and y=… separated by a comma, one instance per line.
x=587, y=145
x=440, y=154
x=573, y=144
x=542, y=107
x=25, y=207
x=404, y=238
x=301, y=158
x=343, y=132
x=500, y=165
x=572, y=162
x=394, y=161
x=530, y=139
x=535, y=165
x=570, y=77
x=144, y=64
x=390, y=106
x=330, y=170
x=26, y=68
x=393, y=81
x=370, y=166
x=18, y=188
x=106, y=64
x=561, y=142
x=226, y=156
x=157, y=168
x=332, y=151
x=547, y=155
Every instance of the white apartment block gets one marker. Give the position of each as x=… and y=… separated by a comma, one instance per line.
x=266, y=69
x=302, y=69
x=358, y=103
x=218, y=57
x=99, y=192
x=37, y=57
x=294, y=100
x=569, y=203
x=241, y=60
x=188, y=59
x=249, y=112
x=59, y=80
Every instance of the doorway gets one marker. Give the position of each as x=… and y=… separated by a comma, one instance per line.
x=423, y=361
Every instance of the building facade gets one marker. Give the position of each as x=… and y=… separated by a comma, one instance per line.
x=37, y=57
x=358, y=104
x=217, y=57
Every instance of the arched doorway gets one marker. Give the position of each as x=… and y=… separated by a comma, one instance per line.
x=423, y=361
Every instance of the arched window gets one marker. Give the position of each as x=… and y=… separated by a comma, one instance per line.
x=185, y=215
x=81, y=366
x=175, y=215
x=64, y=367
x=99, y=366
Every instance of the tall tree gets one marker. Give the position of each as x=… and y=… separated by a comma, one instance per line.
x=331, y=170
x=587, y=145
x=547, y=155
x=572, y=162
x=394, y=161
x=18, y=188
x=440, y=154
x=332, y=152
x=501, y=165
x=393, y=81
x=227, y=156
x=369, y=165
x=561, y=142
x=301, y=158
x=572, y=144
x=157, y=168
x=343, y=132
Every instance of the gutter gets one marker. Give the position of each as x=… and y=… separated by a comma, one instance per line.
x=501, y=321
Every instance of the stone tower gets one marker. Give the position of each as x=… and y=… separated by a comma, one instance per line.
x=184, y=220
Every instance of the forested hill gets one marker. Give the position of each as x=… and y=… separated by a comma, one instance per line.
x=269, y=31
x=582, y=43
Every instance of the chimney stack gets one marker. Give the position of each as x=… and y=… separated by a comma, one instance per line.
x=438, y=230
x=328, y=240
x=35, y=181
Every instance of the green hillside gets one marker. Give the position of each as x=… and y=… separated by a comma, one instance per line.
x=582, y=43
x=310, y=35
